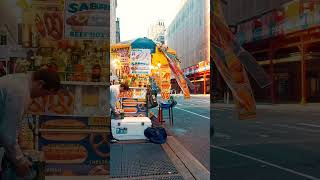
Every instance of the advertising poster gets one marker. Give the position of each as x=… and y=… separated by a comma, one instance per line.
x=123, y=55
x=87, y=19
x=77, y=146
x=316, y=13
x=140, y=61
x=268, y=23
x=308, y=13
x=165, y=82
x=61, y=103
x=292, y=16
x=230, y=66
x=178, y=75
x=49, y=24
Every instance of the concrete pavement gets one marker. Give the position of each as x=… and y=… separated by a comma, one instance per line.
x=282, y=143
x=192, y=126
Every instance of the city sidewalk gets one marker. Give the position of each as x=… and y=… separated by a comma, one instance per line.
x=144, y=160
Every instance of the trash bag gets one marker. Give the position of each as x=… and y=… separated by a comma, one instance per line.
x=156, y=135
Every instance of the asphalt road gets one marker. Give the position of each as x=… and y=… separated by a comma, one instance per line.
x=282, y=143
x=192, y=126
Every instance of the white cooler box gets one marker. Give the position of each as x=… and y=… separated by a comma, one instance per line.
x=130, y=128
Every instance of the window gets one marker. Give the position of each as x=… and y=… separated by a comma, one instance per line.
x=3, y=40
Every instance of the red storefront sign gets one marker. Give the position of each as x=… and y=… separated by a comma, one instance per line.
x=200, y=67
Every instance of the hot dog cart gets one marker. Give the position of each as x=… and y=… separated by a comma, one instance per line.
x=137, y=63
x=71, y=129
x=135, y=70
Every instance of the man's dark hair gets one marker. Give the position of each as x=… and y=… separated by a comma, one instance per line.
x=50, y=78
x=125, y=86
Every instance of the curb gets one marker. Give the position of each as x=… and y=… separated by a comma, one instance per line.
x=187, y=165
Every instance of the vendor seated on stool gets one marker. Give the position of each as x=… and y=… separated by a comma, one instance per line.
x=115, y=91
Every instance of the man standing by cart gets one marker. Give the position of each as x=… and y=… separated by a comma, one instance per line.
x=115, y=91
x=16, y=92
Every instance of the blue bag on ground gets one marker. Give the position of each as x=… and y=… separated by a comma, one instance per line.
x=156, y=135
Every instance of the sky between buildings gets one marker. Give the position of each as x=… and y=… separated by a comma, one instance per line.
x=137, y=15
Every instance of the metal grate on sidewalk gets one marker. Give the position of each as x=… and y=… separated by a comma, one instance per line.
x=148, y=161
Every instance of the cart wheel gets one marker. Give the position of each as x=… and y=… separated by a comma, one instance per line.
x=100, y=144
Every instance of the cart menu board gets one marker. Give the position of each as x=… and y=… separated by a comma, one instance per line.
x=87, y=19
x=134, y=103
x=140, y=61
x=74, y=146
x=134, y=107
x=123, y=55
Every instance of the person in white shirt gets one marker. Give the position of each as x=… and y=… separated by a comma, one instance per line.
x=115, y=91
x=16, y=91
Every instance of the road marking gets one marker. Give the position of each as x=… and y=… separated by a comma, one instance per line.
x=311, y=125
x=193, y=105
x=264, y=135
x=220, y=109
x=196, y=101
x=297, y=128
x=201, y=101
x=267, y=163
x=273, y=130
x=225, y=108
x=216, y=109
x=192, y=113
x=222, y=135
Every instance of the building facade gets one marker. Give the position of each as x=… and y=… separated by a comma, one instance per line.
x=118, y=30
x=238, y=10
x=157, y=31
x=188, y=34
x=113, y=21
x=10, y=37
x=283, y=37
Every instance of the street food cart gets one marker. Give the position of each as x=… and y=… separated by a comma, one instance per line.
x=71, y=129
x=139, y=63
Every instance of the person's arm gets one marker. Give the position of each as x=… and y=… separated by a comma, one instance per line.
x=113, y=99
x=113, y=105
x=11, y=116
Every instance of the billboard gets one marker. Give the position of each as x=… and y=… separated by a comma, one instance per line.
x=87, y=19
